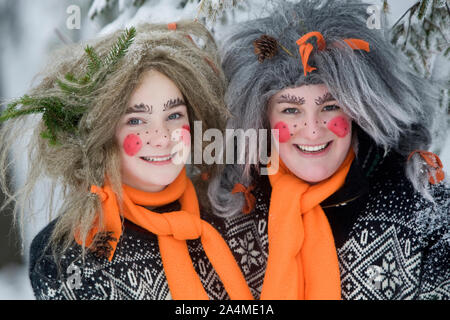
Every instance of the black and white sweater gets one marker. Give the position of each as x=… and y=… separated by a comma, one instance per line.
x=391, y=242
x=135, y=272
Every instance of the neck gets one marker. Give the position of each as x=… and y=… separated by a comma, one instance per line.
x=167, y=195
x=146, y=188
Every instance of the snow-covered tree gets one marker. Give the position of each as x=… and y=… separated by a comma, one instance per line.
x=423, y=34
x=115, y=14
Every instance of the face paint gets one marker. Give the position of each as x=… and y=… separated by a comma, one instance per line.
x=311, y=127
x=132, y=144
x=339, y=126
x=182, y=134
x=173, y=103
x=186, y=135
x=325, y=98
x=283, y=131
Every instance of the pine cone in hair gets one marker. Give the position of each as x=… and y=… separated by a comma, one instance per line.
x=265, y=47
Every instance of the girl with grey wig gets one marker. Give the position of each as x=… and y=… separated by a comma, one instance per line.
x=335, y=90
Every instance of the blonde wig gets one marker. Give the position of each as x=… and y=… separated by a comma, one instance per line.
x=186, y=54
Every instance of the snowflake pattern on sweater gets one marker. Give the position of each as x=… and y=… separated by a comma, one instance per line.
x=135, y=273
x=391, y=242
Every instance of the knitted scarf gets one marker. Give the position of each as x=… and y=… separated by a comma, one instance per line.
x=302, y=262
x=173, y=229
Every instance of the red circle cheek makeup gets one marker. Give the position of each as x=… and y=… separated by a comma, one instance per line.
x=132, y=144
x=339, y=126
x=283, y=131
x=186, y=135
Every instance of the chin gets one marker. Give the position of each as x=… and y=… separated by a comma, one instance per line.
x=154, y=185
x=159, y=180
x=150, y=180
x=313, y=175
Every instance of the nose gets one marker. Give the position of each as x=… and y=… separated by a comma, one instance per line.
x=313, y=127
x=158, y=136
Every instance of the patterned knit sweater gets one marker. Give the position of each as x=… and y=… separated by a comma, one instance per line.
x=135, y=272
x=391, y=244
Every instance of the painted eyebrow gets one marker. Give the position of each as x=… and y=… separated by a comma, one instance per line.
x=287, y=98
x=327, y=97
x=171, y=103
x=137, y=108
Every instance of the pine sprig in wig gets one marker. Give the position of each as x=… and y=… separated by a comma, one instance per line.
x=63, y=115
x=187, y=55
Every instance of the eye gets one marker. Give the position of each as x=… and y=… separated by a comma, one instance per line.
x=331, y=107
x=175, y=116
x=134, y=121
x=290, y=110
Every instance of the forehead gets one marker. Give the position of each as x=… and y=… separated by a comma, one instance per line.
x=154, y=89
x=308, y=92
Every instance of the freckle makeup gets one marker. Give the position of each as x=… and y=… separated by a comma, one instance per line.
x=283, y=131
x=132, y=144
x=339, y=126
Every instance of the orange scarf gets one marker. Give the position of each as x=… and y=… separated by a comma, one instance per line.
x=173, y=229
x=302, y=261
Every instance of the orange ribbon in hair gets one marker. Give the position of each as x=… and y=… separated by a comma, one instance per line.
x=172, y=26
x=305, y=48
x=435, y=172
x=250, y=199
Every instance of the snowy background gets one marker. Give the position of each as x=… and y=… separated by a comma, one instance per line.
x=30, y=29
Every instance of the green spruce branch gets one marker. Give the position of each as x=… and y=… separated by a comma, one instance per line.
x=63, y=113
x=120, y=48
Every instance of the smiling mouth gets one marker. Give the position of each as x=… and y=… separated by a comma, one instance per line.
x=313, y=149
x=157, y=159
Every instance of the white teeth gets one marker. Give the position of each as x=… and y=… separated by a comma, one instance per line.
x=312, y=149
x=156, y=159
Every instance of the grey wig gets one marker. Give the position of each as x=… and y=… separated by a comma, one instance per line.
x=395, y=107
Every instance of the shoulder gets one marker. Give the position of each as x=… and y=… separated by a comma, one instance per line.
x=391, y=192
x=433, y=222
x=45, y=269
x=390, y=182
x=39, y=245
x=398, y=231
x=55, y=274
x=393, y=199
x=433, y=217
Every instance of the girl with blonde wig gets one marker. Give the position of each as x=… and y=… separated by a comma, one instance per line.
x=111, y=119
